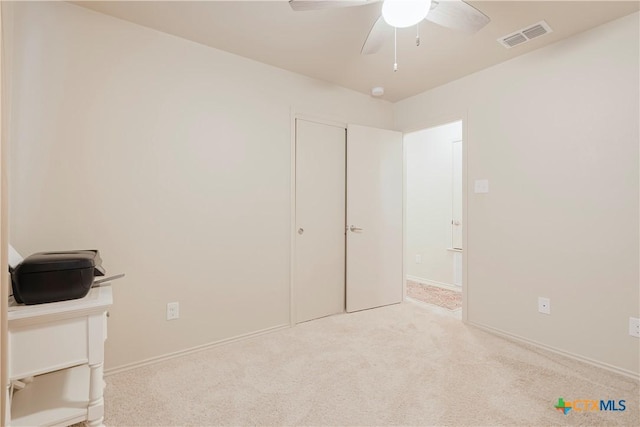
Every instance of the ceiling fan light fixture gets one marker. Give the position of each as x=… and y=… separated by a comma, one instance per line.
x=405, y=13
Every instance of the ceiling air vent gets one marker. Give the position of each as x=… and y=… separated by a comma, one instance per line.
x=514, y=40
x=525, y=34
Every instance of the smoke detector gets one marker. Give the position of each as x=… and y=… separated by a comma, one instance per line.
x=525, y=34
x=377, y=91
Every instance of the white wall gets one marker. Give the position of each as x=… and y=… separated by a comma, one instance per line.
x=556, y=133
x=429, y=199
x=170, y=157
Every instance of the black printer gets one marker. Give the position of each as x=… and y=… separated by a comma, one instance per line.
x=55, y=276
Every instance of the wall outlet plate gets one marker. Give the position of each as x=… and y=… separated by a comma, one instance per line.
x=634, y=327
x=544, y=305
x=173, y=310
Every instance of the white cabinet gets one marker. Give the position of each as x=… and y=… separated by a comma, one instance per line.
x=57, y=350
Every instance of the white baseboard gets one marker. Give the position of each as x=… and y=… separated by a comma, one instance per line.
x=508, y=335
x=434, y=283
x=191, y=350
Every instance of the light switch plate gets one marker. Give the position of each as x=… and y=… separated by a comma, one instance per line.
x=481, y=186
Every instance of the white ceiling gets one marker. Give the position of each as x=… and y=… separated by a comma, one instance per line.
x=325, y=44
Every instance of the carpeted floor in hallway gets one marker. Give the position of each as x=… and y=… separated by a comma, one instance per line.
x=445, y=298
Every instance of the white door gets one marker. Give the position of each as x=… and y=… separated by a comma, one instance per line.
x=456, y=221
x=319, y=260
x=374, y=217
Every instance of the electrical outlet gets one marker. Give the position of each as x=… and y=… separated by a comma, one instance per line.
x=544, y=305
x=418, y=259
x=634, y=327
x=173, y=310
x=481, y=186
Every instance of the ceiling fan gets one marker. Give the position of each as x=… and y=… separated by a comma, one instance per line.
x=454, y=14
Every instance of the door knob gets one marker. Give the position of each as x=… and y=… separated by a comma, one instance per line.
x=300, y=230
x=354, y=229
x=456, y=222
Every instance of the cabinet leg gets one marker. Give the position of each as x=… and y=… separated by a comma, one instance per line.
x=95, y=413
x=7, y=408
x=96, y=423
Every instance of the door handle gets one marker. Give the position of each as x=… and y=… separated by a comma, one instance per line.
x=300, y=230
x=354, y=229
x=455, y=222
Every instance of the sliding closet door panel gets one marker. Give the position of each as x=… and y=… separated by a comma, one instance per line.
x=319, y=269
x=374, y=217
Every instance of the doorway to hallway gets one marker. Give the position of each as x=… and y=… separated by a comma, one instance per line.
x=434, y=215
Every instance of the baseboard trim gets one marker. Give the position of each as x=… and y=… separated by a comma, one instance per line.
x=434, y=283
x=596, y=363
x=198, y=348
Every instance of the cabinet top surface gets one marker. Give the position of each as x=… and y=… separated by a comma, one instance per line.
x=97, y=298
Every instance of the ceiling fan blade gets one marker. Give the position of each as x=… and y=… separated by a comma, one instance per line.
x=457, y=15
x=302, y=5
x=375, y=38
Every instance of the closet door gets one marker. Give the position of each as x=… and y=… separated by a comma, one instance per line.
x=319, y=257
x=374, y=217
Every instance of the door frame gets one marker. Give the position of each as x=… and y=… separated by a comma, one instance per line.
x=427, y=124
x=6, y=61
x=292, y=223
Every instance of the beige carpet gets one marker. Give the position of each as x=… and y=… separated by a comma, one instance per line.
x=445, y=298
x=398, y=365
